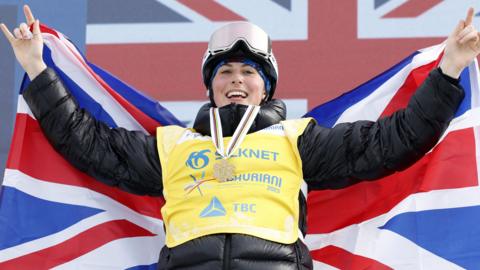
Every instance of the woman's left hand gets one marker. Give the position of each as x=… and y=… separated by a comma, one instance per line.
x=463, y=45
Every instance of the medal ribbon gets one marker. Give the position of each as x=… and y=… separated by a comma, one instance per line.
x=239, y=134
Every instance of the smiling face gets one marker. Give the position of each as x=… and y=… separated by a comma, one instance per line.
x=238, y=83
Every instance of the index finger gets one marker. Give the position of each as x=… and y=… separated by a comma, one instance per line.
x=28, y=15
x=7, y=33
x=469, y=18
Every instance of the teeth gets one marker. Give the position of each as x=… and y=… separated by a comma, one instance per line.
x=236, y=93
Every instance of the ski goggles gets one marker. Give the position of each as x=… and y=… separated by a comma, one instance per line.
x=253, y=36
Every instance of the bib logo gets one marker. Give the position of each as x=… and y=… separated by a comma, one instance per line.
x=214, y=209
x=198, y=160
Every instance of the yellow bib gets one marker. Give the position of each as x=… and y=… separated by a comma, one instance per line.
x=261, y=200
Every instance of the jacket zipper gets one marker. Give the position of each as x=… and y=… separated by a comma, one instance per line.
x=226, y=252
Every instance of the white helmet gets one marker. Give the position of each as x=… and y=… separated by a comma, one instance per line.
x=240, y=39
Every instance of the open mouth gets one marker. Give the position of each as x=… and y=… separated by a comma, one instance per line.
x=236, y=94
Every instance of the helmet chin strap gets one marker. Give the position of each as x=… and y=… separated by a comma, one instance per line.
x=210, y=96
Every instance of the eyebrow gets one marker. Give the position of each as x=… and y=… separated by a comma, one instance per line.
x=230, y=65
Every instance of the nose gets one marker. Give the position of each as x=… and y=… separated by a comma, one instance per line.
x=237, y=78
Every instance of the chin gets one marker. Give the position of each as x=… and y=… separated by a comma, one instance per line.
x=243, y=102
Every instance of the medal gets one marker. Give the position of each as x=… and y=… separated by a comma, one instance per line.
x=224, y=170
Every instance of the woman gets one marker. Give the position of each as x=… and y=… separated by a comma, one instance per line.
x=239, y=202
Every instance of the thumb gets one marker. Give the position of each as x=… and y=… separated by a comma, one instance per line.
x=477, y=43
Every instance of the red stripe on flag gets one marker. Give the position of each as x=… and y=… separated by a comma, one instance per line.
x=77, y=246
x=45, y=29
x=146, y=121
x=412, y=82
x=412, y=9
x=169, y=87
x=212, y=10
x=437, y=170
x=33, y=155
x=16, y=146
x=343, y=259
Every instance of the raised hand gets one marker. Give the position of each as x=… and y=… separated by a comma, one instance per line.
x=463, y=45
x=27, y=46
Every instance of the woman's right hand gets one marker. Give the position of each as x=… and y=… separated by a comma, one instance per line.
x=28, y=47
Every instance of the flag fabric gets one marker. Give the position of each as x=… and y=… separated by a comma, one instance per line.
x=53, y=216
x=425, y=217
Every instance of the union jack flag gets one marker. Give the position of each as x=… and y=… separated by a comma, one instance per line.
x=52, y=215
x=421, y=218
x=317, y=43
x=175, y=34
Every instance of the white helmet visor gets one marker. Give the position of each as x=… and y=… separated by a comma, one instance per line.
x=254, y=37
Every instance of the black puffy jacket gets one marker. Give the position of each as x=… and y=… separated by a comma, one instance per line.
x=331, y=159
